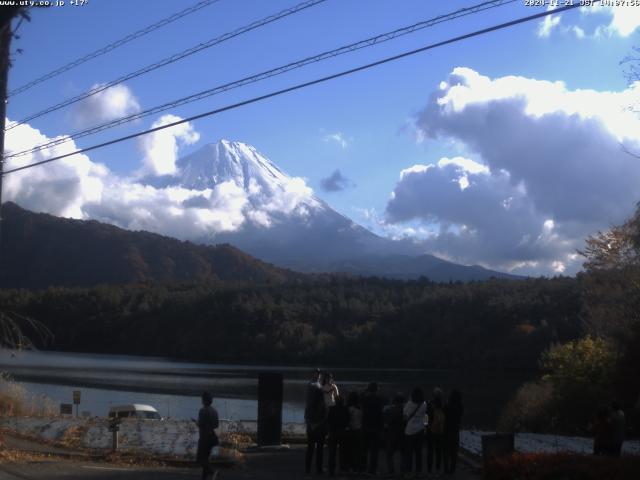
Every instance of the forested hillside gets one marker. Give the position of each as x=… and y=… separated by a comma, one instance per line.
x=40, y=250
x=370, y=322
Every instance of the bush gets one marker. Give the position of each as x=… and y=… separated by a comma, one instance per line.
x=577, y=380
x=529, y=410
x=565, y=466
x=583, y=366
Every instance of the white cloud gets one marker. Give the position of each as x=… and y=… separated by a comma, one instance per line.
x=338, y=138
x=547, y=169
x=464, y=164
x=619, y=21
x=413, y=232
x=168, y=210
x=114, y=102
x=79, y=188
x=161, y=148
x=291, y=197
x=548, y=24
x=275, y=194
x=474, y=224
x=578, y=32
x=60, y=188
x=623, y=20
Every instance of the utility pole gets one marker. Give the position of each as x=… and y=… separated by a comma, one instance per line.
x=5, y=45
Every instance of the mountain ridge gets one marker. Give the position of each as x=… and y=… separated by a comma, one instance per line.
x=321, y=239
x=282, y=223
x=40, y=250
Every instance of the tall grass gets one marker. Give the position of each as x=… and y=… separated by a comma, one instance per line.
x=16, y=400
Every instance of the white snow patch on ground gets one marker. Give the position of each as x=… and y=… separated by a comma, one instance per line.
x=157, y=437
x=180, y=437
x=536, y=442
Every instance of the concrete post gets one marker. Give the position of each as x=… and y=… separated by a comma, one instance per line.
x=270, y=408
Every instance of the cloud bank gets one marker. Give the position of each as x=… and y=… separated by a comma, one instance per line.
x=619, y=21
x=623, y=20
x=76, y=187
x=548, y=168
x=63, y=187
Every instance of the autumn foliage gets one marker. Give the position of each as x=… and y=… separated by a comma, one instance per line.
x=565, y=466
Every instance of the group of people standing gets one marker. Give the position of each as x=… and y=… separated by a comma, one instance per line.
x=357, y=429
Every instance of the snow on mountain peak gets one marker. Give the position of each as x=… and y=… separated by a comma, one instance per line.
x=269, y=192
x=225, y=161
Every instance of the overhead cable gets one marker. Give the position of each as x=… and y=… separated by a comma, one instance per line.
x=384, y=37
x=171, y=59
x=303, y=85
x=112, y=46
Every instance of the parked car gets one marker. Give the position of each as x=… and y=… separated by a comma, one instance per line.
x=135, y=410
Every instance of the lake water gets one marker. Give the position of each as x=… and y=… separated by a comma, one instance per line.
x=174, y=387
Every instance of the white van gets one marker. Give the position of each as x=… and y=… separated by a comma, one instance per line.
x=135, y=410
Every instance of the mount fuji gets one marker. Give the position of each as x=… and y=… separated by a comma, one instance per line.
x=286, y=224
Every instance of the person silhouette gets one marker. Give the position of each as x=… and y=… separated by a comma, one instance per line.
x=207, y=424
x=372, y=426
x=315, y=418
x=453, y=411
x=617, y=421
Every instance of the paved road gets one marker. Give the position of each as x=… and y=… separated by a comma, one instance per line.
x=69, y=470
x=260, y=465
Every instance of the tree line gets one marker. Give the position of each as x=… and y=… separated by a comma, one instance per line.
x=497, y=324
x=602, y=364
x=581, y=335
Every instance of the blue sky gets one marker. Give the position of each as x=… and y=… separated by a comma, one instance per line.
x=366, y=125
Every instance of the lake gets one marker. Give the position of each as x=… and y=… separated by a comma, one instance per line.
x=174, y=387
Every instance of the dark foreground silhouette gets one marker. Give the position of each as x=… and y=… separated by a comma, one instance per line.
x=358, y=429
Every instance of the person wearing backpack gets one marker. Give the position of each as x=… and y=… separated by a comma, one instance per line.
x=414, y=414
x=437, y=421
x=354, y=443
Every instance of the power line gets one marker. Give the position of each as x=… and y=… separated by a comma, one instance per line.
x=304, y=85
x=384, y=37
x=113, y=46
x=271, y=73
x=172, y=59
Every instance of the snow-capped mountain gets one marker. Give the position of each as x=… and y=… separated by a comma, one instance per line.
x=223, y=161
x=286, y=224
